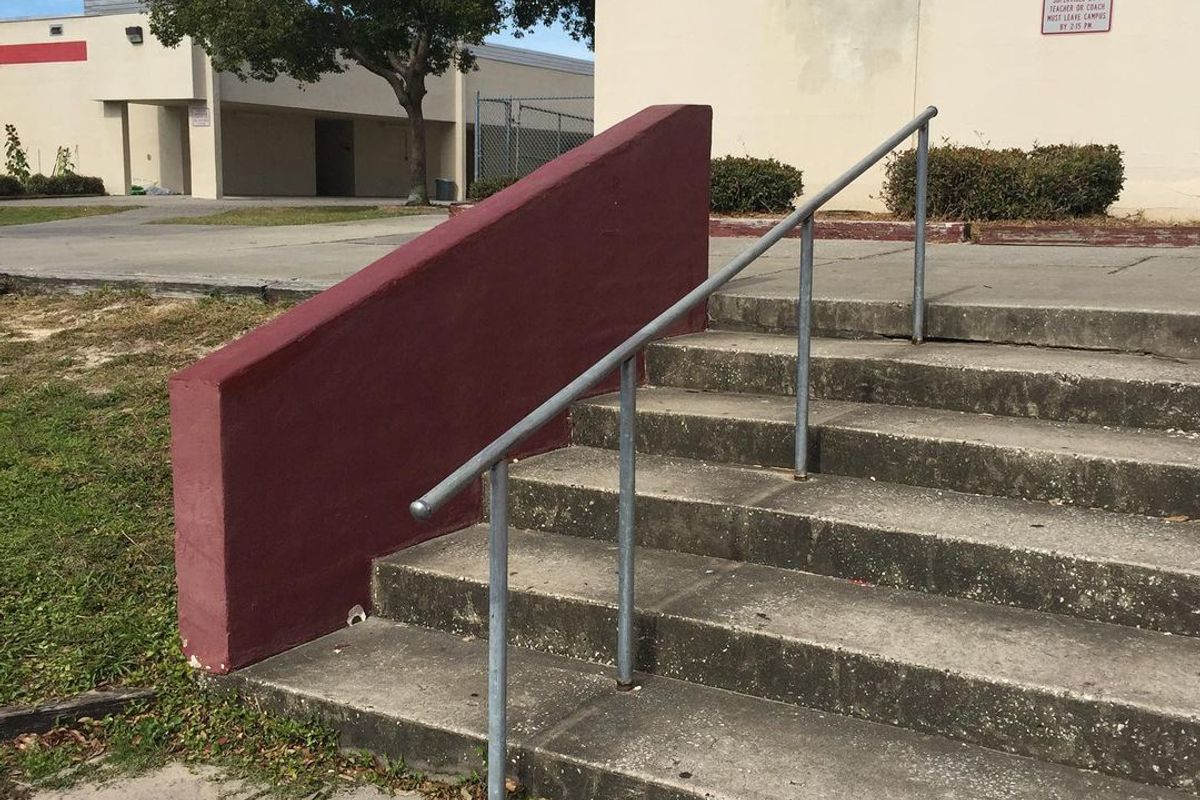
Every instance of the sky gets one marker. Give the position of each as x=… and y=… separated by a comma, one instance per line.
x=548, y=40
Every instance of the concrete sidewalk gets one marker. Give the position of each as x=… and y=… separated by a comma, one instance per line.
x=301, y=260
x=1149, y=279
x=123, y=247
x=179, y=782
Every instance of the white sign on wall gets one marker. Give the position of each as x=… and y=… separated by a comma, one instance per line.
x=199, y=116
x=1076, y=16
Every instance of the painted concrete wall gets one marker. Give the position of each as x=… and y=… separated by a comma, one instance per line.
x=279, y=513
x=55, y=104
x=381, y=157
x=1134, y=87
x=268, y=153
x=159, y=147
x=818, y=83
x=123, y=110
x=815, y=83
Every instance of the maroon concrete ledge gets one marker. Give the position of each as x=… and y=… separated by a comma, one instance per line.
x=1083, y=234
x=297, y=449
x=871, y=230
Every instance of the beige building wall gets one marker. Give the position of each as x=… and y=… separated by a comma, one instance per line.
x=159, y=146
x=1007, y=84
x=815, y=83
x=381, y=157
x=268, y=153
x=81, y=104
x=818, y=83
x=161, y=115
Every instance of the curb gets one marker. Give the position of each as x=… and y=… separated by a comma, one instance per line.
x=1083, y=235
x=863, y=230
x=267, y=291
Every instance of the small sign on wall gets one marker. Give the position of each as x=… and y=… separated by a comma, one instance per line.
x=199, y=116
x=1076, y=16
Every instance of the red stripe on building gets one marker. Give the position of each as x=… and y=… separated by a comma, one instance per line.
x=43, y=53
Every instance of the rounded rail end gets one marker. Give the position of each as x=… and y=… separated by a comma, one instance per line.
x=420, y=510
x=933, y=109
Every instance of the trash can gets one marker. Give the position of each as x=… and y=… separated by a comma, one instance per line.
x=443, y=190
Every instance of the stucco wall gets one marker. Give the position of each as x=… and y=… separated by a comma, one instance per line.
x=815, y=83
x=268, y=153
x=381, y=157
x=819, y=82
x=355, y=91
x=158, y=146
x=1134, y=87
x=55, y=104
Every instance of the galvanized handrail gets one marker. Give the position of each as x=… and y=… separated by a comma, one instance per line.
x=494, y=456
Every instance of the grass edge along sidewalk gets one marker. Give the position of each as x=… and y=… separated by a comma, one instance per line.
x=87, y=596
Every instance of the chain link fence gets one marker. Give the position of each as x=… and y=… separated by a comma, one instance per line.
x=516, y=135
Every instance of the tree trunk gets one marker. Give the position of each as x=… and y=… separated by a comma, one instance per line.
x=418, y=172
x=410, y=97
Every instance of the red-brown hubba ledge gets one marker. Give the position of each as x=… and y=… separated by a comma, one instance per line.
x=297, y=448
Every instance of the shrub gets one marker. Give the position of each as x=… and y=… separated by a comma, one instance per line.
x=10, y=186
x=64, y=185
x=16, y=161
x=744, y=185
x=975, y=183
x=486, y=187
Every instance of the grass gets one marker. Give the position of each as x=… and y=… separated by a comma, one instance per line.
x=297, y=215
x=87, y=597
x=26, y=215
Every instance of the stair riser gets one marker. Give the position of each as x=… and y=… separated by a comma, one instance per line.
x=1040, y=396
x=452, y=751
x=1128, y=487
x=1121, y=594
x=1172, y=335
x=1118, y=740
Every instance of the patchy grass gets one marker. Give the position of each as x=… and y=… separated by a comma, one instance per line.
x=87, y=595
x=27, y=215
x=298, y=215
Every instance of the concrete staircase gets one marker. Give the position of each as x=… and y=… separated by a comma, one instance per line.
x=987, y=591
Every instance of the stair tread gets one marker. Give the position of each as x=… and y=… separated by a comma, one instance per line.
x=1151, y=671
x=1137, y=445
x=1124, y=367
x=683, y=738
x=1002, y=522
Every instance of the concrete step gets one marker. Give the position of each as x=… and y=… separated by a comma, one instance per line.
x=1048, y=324
x=1114, y=699
x=1130, y=470
x=1097, y=565
x=1068, y=385
x=420, y=695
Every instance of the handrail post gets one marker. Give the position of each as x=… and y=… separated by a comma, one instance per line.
x=625, y=530
x=498, y=632
x=803, y=346
x=922, y=205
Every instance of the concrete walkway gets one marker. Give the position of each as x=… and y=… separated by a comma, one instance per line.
x=179, y=782
x=1147, y=279
x=305, y=259
x=124, y=247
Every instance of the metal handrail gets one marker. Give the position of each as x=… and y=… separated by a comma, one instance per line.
x=624, y=357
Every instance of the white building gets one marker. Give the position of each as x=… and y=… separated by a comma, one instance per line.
x=818, y=83
x=134, y=110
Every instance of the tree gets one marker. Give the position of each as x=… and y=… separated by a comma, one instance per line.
x=401, y=41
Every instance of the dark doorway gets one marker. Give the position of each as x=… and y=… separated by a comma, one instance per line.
x=335, y=157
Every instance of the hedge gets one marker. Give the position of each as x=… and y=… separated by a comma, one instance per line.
x=486, y=187
x=64, y=185
x=744, y=185
x=975, y=183
x=10, y=186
